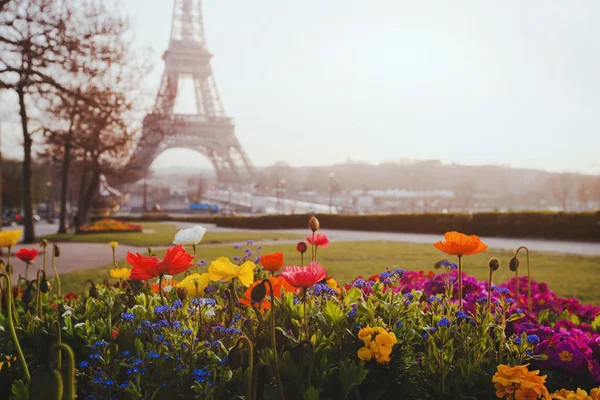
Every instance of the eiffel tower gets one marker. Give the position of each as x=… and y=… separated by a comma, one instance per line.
x=209, y=130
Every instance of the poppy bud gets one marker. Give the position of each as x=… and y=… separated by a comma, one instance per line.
x=514, y=264
x=313, y=224
x=44, y=243
x=56, y=251
x=301, y=247
x=181, y=293
x=438, y=264
x=259, y=292
x=236, y=358
x=45, y=286
x=149, y=251
x=94, y=292
x=494, y=264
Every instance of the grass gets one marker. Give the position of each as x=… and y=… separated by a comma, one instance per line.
x=162, y=234
x=567, y=275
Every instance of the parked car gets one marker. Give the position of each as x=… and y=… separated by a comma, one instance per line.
x=15, y=217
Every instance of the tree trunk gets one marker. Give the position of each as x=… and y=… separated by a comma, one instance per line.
x=79, y=215
x=90, y=196
x=64, y=188
x=27, y=184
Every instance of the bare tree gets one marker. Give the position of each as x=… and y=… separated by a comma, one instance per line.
x=562, y=187
x=42, y=44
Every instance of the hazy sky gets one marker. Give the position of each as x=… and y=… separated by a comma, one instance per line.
x=318, y=82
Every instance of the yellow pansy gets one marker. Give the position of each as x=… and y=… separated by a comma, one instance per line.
x=223, y=270
x=365, y=334
x=384, y=342
x=194, y=283
x=113, y=245
x=120, y=273
x=10, y=238
x=7, y=362
x=365, y=354
x=332, y=283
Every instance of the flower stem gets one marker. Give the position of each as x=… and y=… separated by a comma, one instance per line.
x=302, y=259
x=195, y=263
x=162, y=297
x=26, y=270
x=460, y=285
x=305, y=322
x=274, y=342
x=245, y=338
x=70, y=374
x=489, y=300
x=56, y=276
x=114, y=257
x=518, y=293
x=11, y=326
x=312, y=244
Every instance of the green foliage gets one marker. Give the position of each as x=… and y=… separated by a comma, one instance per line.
x=19, y=391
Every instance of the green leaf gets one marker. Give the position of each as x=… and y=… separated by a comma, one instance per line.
x=596, y=323
x=351, y=377
x=333, y=313
x=311, y=394
x=139, y=346
x=19, y=391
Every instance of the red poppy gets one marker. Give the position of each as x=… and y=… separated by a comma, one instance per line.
x=27, y=255
x=304, y=277
x=115, y=333
x=176, y=261
x=321, y=240
x=272, y=262
x=70, y=296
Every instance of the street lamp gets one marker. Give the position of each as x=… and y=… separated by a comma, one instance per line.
x=331, y=183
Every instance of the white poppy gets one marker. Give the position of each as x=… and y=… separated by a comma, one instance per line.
x=190, y=237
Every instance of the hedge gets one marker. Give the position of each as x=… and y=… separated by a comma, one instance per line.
x=542, y=225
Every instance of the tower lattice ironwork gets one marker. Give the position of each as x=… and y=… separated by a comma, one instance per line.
x=208, y=130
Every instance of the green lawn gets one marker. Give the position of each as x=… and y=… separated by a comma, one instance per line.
x=162, y=234
x=565, y=274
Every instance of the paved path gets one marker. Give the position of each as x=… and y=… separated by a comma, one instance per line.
x=76, y=256
x=546, y=246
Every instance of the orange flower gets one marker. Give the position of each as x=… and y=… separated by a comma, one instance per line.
x=459, y=244
x=272, y=262
x=115, y=333
x=518, y=383
x=278, y=283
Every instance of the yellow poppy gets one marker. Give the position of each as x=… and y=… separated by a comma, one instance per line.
x=194, y=284
x=120, y=273
x=10, y=238
x=223, y=270
x=113, y=245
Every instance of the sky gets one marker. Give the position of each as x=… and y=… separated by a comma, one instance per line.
x=316, y=82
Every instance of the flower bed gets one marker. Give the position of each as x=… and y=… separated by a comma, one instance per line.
x=249, y=329
x=109, y=226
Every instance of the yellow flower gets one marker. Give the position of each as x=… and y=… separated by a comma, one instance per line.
x=194, y=283
x=120, y=273
x=580, y=394
x=7, y=362
x=385, y=342
x=113, y=245
x=223, y=270
x=365, y=354
x=332, y=283
x=365, y=334
x=10, y=238
x=518, y=383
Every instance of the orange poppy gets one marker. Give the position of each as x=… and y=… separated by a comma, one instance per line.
x=272, y=262
x=278, y=283
x=459, y=244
